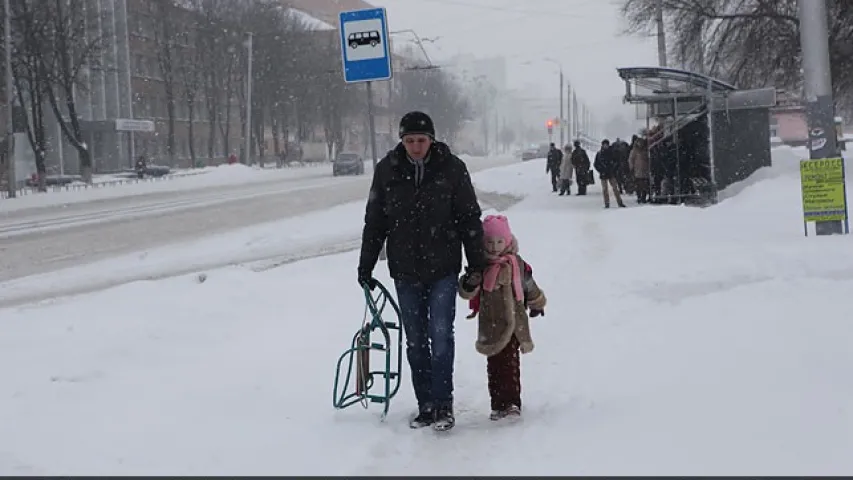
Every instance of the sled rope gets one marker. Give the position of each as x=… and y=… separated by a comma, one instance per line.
x=362, y=370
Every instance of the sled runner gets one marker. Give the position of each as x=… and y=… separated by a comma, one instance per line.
x=375, y=335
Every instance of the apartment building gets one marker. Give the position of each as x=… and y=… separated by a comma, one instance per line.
x=128, y=85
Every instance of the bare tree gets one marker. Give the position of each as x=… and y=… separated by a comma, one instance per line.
x=506, y=137
x=219, y=34
x=434, y=92
x=420, y=86
x=751, y=43
x=221, y=31
x=272, y=30
x=335, y=101
x=229, y=81
x=282, y=54
x=69, y=50
x=208, y=37
x=189, y=72
x=31, y=80
x=165, y=39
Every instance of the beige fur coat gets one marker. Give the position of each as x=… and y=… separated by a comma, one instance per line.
x=500, y=315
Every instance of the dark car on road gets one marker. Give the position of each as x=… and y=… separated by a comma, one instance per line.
x=348, y=164
x=540, y=151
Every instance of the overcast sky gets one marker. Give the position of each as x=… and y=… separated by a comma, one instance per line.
x=583, y=35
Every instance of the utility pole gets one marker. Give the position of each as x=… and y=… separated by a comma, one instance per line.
x=371, y=123
x=12, y=182
x=247, y=159
x=817, y=82
x=575, y=117
x=562, y=112
x=661, y=33
x=569, y=121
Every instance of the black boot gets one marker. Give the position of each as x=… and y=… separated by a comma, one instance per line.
x=425, y=418
x=444, y=419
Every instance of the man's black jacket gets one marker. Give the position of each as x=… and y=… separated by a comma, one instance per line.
x=555, y=159
x=425, y=225
x=606, y=162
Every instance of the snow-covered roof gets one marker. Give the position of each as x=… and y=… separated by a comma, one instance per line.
x=313, y=23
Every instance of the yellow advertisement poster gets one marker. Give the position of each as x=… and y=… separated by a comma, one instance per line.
x=822, y=183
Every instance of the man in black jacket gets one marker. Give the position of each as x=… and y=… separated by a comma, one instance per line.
x=580, y=162
x=607, y=164
x=552, y=165
x=422, y=202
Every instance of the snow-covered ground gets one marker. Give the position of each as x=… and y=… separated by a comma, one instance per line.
x=308, y=235
x=219, y=176
x=677, y=341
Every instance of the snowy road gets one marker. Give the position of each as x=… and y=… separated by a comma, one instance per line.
x=36, y=241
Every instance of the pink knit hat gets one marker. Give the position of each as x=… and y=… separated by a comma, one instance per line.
x=497, y=226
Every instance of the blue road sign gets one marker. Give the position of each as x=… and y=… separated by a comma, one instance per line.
x=365, y=51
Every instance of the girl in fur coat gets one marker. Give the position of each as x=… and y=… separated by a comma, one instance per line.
x=501, y=296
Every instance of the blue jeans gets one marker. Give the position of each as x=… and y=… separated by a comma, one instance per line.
x=428, y=312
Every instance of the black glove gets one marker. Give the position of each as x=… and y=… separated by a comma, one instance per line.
x=365, y=279
x=471, y=279
x=536, y=313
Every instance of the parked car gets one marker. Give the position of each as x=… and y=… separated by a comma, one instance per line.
x=54, y=180
x=147, y=170
x=157, y=170
x=540, y=151
x=348, y=164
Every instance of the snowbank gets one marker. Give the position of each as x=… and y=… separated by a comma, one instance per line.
x=677, y=341
x=209, y=177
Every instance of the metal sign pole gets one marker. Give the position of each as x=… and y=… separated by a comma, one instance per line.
x=818, y=91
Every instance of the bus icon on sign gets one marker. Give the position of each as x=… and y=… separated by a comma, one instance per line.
x=371, y=38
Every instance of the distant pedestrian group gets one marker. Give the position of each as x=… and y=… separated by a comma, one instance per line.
x=622, y=169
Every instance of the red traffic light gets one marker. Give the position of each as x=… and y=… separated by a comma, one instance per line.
x=550, y=123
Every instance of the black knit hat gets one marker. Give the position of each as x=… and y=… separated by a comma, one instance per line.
x=416, y=123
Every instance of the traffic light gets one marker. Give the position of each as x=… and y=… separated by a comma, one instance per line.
x=550, y=125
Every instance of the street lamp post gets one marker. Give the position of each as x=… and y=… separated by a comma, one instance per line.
x=248, y=154
x=562, y=99
x=12, y=182
x=562, y=112
x=562, y=96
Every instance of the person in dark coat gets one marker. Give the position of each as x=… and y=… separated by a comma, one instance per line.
x=141, y=166
x=607, y=165
x=623, y=172
x=423, y=204
x=580, y=162
x=552, y=166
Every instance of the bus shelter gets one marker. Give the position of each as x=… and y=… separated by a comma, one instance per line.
x=703, y=134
